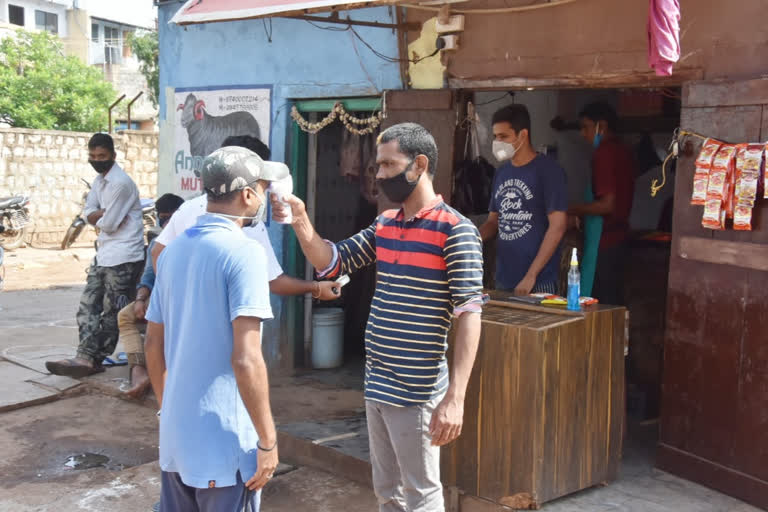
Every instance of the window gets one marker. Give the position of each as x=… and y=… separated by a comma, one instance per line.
x=16, y=15
x=95, y=32
x=47, y=21
x=113, y=51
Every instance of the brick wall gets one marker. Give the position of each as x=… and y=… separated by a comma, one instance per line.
x=49, y=164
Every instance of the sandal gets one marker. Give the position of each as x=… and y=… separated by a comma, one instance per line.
x=72, y=368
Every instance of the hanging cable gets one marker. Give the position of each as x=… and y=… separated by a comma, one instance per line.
x=268, y=32
x=673, y=153
x=370, y=47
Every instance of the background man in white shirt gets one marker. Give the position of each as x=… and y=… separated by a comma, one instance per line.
x=112, y=206
x=279, y=283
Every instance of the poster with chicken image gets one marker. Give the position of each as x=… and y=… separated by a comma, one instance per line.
x=205, y=117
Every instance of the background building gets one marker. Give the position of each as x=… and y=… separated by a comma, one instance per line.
x=97, y=32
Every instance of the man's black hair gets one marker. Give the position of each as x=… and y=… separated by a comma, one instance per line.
x=516, y=115
x=248, y=142
x=412, y=140
x=102, y=140
x=600, y=111
x=168, y=203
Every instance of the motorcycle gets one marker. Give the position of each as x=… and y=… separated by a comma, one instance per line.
x=76, y=228
x=15, y=220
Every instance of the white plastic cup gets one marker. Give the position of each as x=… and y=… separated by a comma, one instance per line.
x=281, y=189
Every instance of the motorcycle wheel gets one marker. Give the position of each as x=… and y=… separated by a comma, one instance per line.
x=13, y=239
x=72, y=233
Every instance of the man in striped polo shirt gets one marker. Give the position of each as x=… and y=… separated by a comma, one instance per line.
x=429, y=269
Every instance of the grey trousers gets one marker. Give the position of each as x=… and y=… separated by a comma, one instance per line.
x=406, y=467
x=176, y=496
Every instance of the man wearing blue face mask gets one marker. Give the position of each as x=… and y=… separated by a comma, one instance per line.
x=613, y=189
x=529, y=199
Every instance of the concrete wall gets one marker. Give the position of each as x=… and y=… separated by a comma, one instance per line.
x=78, y=43
x=49, y=164
x=603, y=40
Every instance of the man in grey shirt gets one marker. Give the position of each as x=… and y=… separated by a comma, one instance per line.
x=112, y=206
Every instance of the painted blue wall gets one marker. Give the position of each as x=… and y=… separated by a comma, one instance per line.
x=302, y=61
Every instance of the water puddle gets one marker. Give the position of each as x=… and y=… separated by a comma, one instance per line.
x=86, y=461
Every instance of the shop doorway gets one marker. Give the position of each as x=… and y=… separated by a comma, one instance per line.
x=334, y=175
x=647, y=120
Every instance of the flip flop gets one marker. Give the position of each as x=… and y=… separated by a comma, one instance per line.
x=71, y=368
x=122, y=360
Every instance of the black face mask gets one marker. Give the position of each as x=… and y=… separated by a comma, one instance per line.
x=101, y=166
x=398, y=188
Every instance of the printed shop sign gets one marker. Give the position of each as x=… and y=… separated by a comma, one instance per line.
x=205, y=117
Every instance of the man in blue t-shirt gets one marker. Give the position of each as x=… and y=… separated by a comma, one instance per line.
x=528, y=208
x=218, y=442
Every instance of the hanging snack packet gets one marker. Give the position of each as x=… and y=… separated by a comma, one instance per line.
x=749, y=163
x=721, y=174
x=714, y=215
x=765, y=174
x=742, y=218
x=748, y=169
x=703, y=167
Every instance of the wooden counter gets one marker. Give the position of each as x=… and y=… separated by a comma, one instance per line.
x=544, y=410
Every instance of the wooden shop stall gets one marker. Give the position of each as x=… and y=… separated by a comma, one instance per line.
x=544, y=411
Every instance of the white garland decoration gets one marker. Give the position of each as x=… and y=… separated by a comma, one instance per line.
x=350, y=122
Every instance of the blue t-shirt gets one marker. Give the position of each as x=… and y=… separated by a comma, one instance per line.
x=523, y=197
x=206, y=278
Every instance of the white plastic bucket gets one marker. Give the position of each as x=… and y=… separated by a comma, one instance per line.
x=327, y=338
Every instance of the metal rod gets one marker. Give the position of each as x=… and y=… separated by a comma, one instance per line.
x=347, y=21
x=309, y=271
x=118, y=100
x=129, y=107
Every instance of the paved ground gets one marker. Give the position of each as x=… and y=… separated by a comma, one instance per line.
x=37, y=322
x=73, y=419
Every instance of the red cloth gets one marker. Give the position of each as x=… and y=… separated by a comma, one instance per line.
x=613, y=173
x=663, y=35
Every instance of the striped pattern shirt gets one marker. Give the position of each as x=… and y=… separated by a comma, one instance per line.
x=429, y=268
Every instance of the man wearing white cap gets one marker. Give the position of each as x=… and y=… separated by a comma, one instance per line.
x=279, y=283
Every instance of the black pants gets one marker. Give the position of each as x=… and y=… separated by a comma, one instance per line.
x=609, y=275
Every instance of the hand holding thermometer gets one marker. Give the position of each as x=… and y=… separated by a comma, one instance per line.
x=341, y=281
x=281, y=189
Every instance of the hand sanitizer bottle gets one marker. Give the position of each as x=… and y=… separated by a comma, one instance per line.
x=574, y=283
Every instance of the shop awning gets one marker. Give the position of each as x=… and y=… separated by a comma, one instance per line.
x=206, y=11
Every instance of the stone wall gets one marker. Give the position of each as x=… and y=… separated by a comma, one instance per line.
x=49, y=166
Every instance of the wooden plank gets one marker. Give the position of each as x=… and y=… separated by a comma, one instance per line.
x=719, y=477
x=509, y=413
x=586, y=80
x=725, y=93
x=350, y=104
x=738, y=254
x=571, y=469
x=436, y=112
x=599, y=331
x=751, y=422
x=438, y=99
x=459, y=460
x=617, y=398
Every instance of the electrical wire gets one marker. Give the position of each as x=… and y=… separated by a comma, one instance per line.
x=267, y=31
x=499, y=10
x=494, y=100
x=377, y=53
